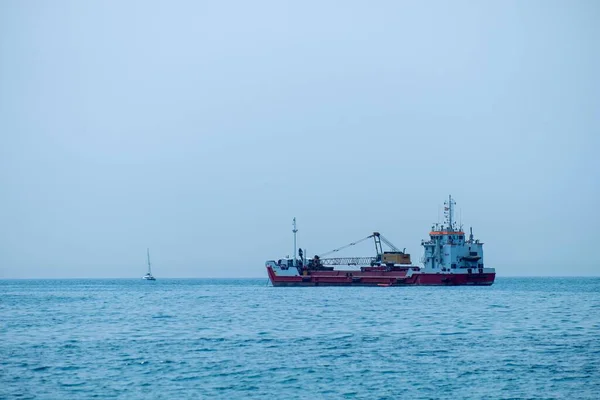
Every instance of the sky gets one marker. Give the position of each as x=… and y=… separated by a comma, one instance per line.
x=200, y=129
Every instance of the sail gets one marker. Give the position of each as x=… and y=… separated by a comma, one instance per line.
x=149, y=268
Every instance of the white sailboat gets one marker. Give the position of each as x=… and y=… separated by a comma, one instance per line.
x=149, y=276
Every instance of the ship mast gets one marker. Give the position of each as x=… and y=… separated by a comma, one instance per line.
x=451, y=212
x=295, y=230
x=149, y=270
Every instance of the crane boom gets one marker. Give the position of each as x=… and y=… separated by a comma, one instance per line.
x=389, y=244
x=360, y=261
x=395, y=256
x=378, y=238
x=346, y=246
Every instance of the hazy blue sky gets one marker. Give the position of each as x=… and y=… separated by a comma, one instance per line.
x=199, y=129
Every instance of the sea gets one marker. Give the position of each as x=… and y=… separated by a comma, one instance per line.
x=522, y=338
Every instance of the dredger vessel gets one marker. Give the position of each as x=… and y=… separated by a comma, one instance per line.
x=450, y=258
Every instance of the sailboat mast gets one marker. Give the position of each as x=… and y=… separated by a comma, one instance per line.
x=149, y=270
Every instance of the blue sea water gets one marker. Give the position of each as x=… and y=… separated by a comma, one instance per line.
x=230, y=339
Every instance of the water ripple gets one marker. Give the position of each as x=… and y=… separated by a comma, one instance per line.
x=521, y=338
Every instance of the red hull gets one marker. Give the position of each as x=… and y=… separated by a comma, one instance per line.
x=392, y=278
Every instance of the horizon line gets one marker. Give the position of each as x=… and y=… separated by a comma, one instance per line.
x=266, y=277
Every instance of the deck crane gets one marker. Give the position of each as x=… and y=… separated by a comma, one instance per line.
x=395, y=256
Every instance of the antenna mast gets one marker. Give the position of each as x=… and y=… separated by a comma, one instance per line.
x=295, y=230
x=450, y=213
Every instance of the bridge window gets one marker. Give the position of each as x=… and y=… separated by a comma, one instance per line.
x=472, y=253
x=453, y=266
